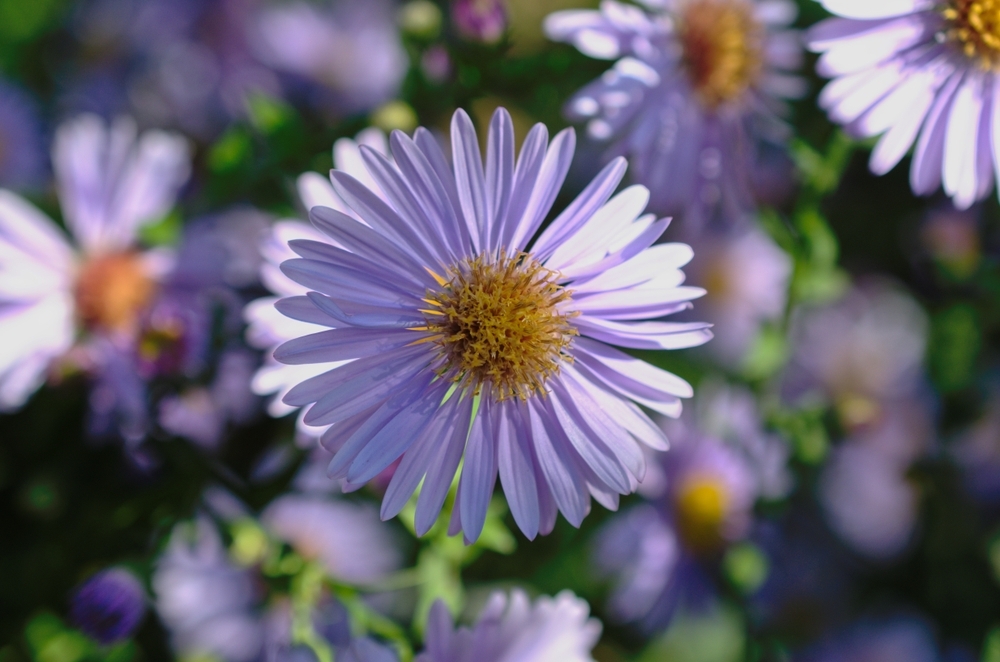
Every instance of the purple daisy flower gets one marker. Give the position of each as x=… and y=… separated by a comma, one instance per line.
x=266, y=327
x=109, y=606
x=515, y=629
x=350, y=49
x=923, y=72
x=111, y=182
x=696, y=89
x=700, y=500
x=467, y=345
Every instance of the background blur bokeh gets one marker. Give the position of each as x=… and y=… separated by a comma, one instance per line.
x=834, y=488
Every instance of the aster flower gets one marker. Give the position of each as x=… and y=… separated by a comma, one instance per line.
x=109, y=606
x=746, y=275
x=465, y=343
x=866, y=495
x=863, y=350
x=696, y=88
x=266, y=327
x=213, y=606
x=917, y=72
x=350, y=541
x=207, y=603
x=110, y=183
x=351, y=49
x=700, y=498
x=514, y=628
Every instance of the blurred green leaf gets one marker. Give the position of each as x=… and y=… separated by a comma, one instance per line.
x=21, y=20
x=233, y=149
x=767, y=355
x=268, y=115
x=165, y=232
x=746, y=566
x=954, y=347
x=991, y=646
x=713, y=637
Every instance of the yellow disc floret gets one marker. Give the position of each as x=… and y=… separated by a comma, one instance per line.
x=702, y=503
x=111, y=291
x=975, y=26
x=500, y=320
x=721, y=42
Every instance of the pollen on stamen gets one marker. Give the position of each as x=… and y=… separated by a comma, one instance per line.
x=502, y=320
x=974, y=25
x=722, y=48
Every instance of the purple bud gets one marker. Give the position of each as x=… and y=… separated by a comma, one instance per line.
x=479, y=20
x=109, y=606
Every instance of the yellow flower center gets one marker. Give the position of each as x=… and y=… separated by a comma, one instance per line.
x=975, y=25
x=722, y=48
x=111, y=291
x=500, y=320
x=701, y=502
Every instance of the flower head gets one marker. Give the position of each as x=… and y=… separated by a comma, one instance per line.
x=266, y=327
x=862, y=350
x=110, y=605
x=512, y=628
x=917, y=72
x=746, y=275
x=696, y=88
x=465, y=339
x=347, y=538
x=351, y=49
x=110, y=182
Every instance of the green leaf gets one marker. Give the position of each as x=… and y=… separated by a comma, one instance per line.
x=230, y=151
x=954, y=347
x=165, y=232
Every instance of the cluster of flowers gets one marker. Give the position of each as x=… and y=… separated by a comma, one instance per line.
x=438, y=324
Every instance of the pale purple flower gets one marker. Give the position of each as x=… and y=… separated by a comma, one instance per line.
x=730, y=414
x=109, y=606
x=347, y=538
x=918, y=72
x=202, y=413
x=479, y=20
x=515, y=629
x=655, y=552
x=22, y=156
x=110, y=182
x=866, y=348
x=869, y=501
x=467, y=345
x=267, y=328
x=696, y=89
x=746, y=276
x=350, y=48
x=209, y=605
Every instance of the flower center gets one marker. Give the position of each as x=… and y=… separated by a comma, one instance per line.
x=111, y=290
x=701, y=503
x=500, y=320
x=975, y=25
x=721, y=42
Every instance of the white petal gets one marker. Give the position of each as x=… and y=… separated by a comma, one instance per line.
x=865, y=9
